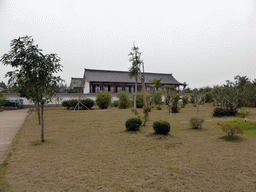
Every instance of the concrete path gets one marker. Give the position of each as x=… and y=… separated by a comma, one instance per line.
x=10, y=122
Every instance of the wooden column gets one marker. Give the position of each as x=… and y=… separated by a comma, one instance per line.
x=91, y=86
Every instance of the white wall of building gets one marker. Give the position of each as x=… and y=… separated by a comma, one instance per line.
x=86, y=87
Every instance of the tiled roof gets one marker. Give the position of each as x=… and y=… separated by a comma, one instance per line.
x=94, y=75
x=76, y=82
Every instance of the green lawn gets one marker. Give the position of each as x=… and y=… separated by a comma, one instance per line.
x=91, y=151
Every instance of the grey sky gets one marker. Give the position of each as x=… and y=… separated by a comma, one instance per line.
x=201, y=42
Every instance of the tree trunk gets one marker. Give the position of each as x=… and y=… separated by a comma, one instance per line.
x=38, y=105
x=144, y=100
x=144, y=92
x=42, y=124
x=38, y=113
x=135, y=94
x=170, y=109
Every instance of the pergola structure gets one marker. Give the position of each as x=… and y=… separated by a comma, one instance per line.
x=95, y=80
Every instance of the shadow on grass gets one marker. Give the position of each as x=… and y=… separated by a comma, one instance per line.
x=198, y=129
x=3, y=184
x=131, y=132
x=38, y=142
x=235, y=139
x=158, y=136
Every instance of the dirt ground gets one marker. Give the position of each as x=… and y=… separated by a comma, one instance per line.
x=91, y=151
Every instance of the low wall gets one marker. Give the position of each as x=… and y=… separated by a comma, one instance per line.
x=59, y=96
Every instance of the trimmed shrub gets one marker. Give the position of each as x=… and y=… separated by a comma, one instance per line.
x=218, y=112
x=124, y=101
x=103, y=99
x=88, y=103
x=73, y=102
x=196, y=122
x=161, y=127
x=231, y=129
x=133, y=124
x=66, y=104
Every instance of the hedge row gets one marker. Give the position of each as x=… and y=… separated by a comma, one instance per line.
x=71, y=104
x=218, y=112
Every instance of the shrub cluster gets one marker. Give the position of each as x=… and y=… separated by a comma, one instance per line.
x=133, y=124
x=103, y=99
x=208, y=98
x=139, y=99
x=196, y=122
x=244, y=112
x=218, y=111
x=184, y=101
x=157, y=100
x=161, y=127
x=175, y=107
x=124, y=101
x=159, y=107
x=72, y=103
x=3, y=99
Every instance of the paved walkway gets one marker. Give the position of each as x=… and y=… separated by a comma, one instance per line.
x=10, y=122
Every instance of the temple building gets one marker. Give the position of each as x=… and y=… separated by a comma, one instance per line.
x=95, y=80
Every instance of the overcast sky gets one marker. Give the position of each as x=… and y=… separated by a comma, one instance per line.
x=201, y=42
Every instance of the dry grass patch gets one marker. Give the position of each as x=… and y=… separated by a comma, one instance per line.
x=91, y=151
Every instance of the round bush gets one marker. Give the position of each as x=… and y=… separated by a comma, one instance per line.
x=103, y=99
x=231, y=128
x=133, y=124
x=196, y=122
x=161, y=127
